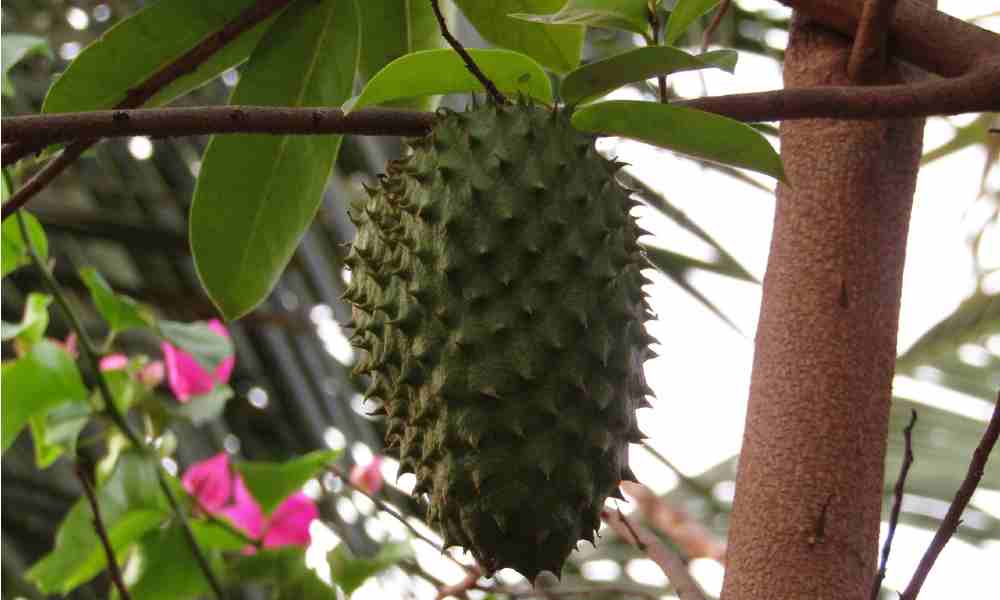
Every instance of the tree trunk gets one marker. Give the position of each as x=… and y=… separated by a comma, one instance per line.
x=809, y=490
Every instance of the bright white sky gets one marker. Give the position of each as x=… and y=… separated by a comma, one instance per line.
x=703, y=374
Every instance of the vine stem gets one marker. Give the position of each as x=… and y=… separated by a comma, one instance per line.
x=89, y=354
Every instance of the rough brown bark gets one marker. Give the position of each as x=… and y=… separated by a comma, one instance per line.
x=809, y=489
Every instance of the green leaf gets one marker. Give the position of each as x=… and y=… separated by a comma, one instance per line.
x=205, y=408
x=214, y=536
x=629, y=15
x=285, y=569
x=14, y=252
x=167, y=568
x=257, y=193
x=271, y=482
x=432, y=72
x=555, y=46
x=600, y=77
x=135, y=48
x=121, y=312
x=700, y=134
x=34, y=384
x=17, y=47
x=124, y=387
x=389, y=31
x=350, y=572
x=207, y=347
x=684, y=13
x=34, y=321
x=58, y=431
x=130, y=505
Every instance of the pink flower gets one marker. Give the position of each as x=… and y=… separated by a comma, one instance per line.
x=369, y=477
x=151, y=375
x=186, y=377
x=69, y=344
x=221, y=491
x=113, y=362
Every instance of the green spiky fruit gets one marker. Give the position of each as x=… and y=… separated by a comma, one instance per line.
x=497, y=297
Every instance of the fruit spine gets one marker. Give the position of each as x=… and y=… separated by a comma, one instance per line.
x=497, y=297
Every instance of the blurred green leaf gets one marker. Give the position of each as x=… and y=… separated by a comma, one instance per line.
x=14, y=252
x=442, y=72
x=976, y=132
x=285, y=569
x=350, y=572
x=701, y=134
x=130, y=505
x=599, y=77
x=34, y=321
x=271, y=482
x=205, y=408
x=668, y=260
x=683, y=14
x=120, y=311
x=629, y=15
x=35, y=383
x=257, y=194
x=135, y=48
x=555, y=46
x=167, y=568
x=211, y=535
x=199, y=340
x=57, y=432
x=17, y=47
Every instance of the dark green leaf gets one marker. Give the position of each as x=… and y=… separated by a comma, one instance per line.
x=131, y=51
x=701, y=134
x=204, y=408
x=684, y=13
x=555, y=46
x=121, y=312
x=630, y=15
x=602, y=76
x=167, y=568
x=130, y=505
x=350, y=572
x=680, y=263
x=34, y=384
x=16, y=47
x=57, y=431
x=14, y=251
x=442, y=72
x=285, y=569
x=257, y=193
x=271, y=482
x=197, y=339
x=124, y=387
x=34, y=321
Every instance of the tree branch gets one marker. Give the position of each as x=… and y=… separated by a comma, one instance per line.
x=470, y=64
x=952, y=518
x=869, y=53
x=115, y=571
x=137, y=96
x=897, y=503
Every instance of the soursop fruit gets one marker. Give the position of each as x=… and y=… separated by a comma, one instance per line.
x=497, y=296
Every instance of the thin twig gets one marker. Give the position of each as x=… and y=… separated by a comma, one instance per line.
x=470, y=64
x=654, y=24
x=671, y=564
x=115, y=571
x=706, y=38
x=952, y=519
x=460, y=588
x=138, y=95
x=868, y=52
x=897, y=503
x=89, y=354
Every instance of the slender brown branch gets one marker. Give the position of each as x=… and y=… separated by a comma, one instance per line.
x=671, y=564
x=470, y=64
x=137, y=96
x=113, y=569
x=654, y=25
x=953, y=517
x=897, y=503
x=869, y=53
x=459, y=589
x=706, y=38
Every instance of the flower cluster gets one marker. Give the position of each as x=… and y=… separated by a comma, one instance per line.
x=220, y=491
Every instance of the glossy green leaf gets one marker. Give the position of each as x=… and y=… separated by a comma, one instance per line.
x=131, y=505
x=271, y=482
x=57, y=432
x=34, y=321
x=629, y=15
x=683, y=14
x=257, y=194
x=205, y=408
x=34, y=384
x=700, y=134
x=602, y=76
x=14, y=252
x=349, y=572
x=17, y=47
x=206, y=346
x=442, y=72
x=121, y=312
x=555, y=46
x=135, y=48
x=391, y=29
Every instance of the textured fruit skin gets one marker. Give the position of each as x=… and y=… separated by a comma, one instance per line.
x=497, y=296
